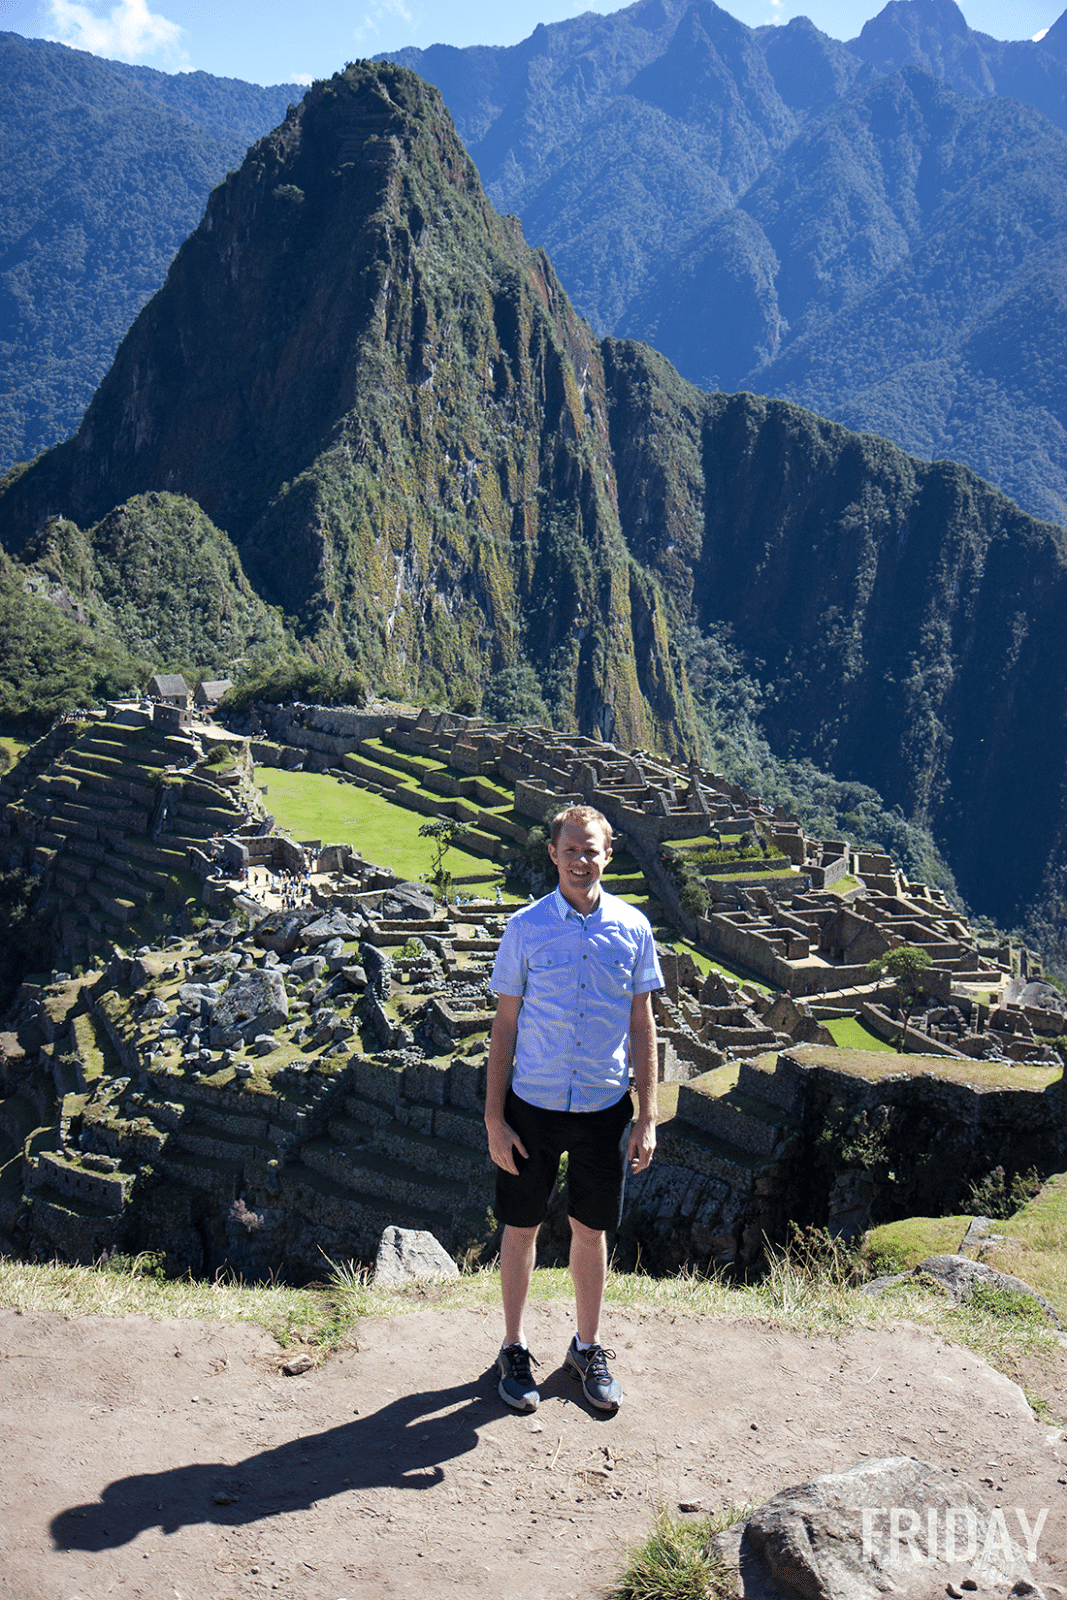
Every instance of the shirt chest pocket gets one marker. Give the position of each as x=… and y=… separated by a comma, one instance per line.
x=551, y=969
x=611, y=976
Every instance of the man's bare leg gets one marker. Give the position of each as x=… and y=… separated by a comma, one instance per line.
x=518, y=1256
x=589, y=1270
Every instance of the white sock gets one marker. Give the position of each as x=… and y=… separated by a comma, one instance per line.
x=520, y=1342
x=582, y=1346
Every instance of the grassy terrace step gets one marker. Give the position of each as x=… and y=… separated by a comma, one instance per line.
x=381, y=1175
x=461, y=1127
x=350, y=1132
x=760, y=1078
x=217, y=1177
x=680, y=1143
x=361, y=1212
x=429, y=1153
x=156, y=855
x=367, y=1113
x=196, y=832
x=102, y=816
x=199, y=1138
x=91, y=770
x=11, y=1187
x=114, y=907
x=740, y=1119
x=73, y=1205
x=123, y=886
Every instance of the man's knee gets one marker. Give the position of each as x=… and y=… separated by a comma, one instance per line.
x=584, y=1235
x=521, y=1238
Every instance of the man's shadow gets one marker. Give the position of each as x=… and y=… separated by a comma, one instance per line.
x=402, y=1446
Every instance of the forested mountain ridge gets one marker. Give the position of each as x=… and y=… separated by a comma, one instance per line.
x=768, y=209
x=104, y=169
x=642, y=149
x=384, y=399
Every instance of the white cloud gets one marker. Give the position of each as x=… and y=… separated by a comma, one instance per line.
x=301, y=77
x=131, y=30
x=1041, y=35
x=371, y=22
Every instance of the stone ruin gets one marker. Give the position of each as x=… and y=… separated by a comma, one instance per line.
x=282, y=1087
x=268, y=1096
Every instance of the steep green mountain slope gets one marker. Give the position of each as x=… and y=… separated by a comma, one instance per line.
x=364, y=377
x=775, y=215
x=366, y=380
x=154, y=586
x=103, y=171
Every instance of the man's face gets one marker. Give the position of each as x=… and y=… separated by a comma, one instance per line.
x=580, y=854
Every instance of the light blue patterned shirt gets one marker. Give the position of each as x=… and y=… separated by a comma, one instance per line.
x=577, y=977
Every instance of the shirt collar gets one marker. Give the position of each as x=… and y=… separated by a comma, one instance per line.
x=565, y=910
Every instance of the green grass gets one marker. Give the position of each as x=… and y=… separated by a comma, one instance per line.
x=904, y=1244
x=676, y=1561
x=16, y=749
x=852, y=1033
x=1035, y=1245
x=312, y=805
x=874, y=1065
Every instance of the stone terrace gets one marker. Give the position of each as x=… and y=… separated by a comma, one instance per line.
x=110, y=815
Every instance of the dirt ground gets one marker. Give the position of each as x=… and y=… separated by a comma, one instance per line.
x=172, y=1460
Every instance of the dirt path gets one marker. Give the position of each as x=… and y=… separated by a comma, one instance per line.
x=170, y=1460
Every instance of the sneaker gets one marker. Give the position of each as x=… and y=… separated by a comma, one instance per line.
x=516, y=1387
x=591, y=1366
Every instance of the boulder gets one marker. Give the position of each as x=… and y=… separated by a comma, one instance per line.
x=334, y=925
x=959, y=1274
x=199, y=999
x=282, y=930
x=416, y=900
x=895, y=1526
x=306, y=968
x=256, y=1003
x=408, y=1255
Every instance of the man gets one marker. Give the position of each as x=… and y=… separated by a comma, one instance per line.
x=573, y=977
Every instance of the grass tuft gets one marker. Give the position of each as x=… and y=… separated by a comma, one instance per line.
x=677, y=1561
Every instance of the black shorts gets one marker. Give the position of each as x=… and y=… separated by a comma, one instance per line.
x=596, y=1165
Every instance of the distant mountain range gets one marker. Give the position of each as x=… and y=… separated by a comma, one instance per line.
x=776, y=215
x=104, y=169
x=775, y=210
x=361, y=398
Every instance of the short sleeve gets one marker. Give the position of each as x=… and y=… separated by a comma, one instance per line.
x=647, y=972
x=508, y=976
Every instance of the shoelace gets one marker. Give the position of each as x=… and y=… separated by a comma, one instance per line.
x=519, y=1360
x=597, y=1367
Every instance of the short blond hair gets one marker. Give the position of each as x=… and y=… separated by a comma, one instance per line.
x=585, y=816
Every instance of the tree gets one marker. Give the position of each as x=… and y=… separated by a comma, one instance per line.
x=445, y=832
x=906, y=968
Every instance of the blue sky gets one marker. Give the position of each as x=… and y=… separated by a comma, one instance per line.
x=274, y=43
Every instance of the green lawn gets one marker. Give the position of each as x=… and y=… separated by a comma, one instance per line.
x=312, y=805
x=853, y=1034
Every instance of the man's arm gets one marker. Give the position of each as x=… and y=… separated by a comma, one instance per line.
x=643, y=1054
x=503, y=1141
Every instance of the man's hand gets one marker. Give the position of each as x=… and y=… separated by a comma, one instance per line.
x=503, y=1143
x=642, y=1144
